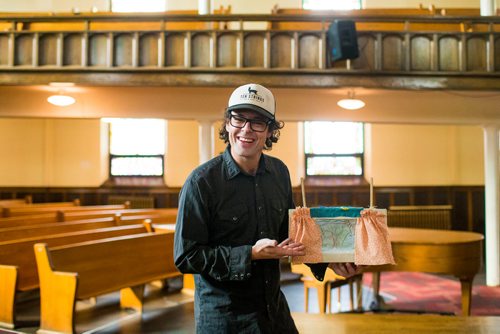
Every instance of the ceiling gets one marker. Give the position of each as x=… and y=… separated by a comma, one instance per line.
x=293, y=104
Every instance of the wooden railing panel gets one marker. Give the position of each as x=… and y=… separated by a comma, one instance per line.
x=125, y=26
x=281, y=46
x=309, y=49
x=366, y=59
x=47, y=50
x=201, y=50
x=4, y=50
x=394, y=45
x=449, y=59
x=122, y=46
x=421, y=56
x=97, y=52
x=253, y=42
x=24, y=48
x=175, y=51
x=52, y=26
x=226, y=50
x=476, y=53
x=72, y=46
x=496, y=58
x=393, y=53
x=149, y=50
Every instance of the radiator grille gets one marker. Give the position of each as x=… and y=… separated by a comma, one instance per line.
x=426, y=216
x=136, y=202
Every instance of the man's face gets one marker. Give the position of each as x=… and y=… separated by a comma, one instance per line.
x=246, y=142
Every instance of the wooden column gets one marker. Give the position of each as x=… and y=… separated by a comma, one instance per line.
x=492, y=200
x=488, y=7
x=205, y=140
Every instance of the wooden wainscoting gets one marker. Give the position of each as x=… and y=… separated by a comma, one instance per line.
x=467, y=201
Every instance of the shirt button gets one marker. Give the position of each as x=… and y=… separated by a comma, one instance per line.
x=262, y=233
x=260, y=208
x=267, y=282
x=256, y=184
x=235, y=219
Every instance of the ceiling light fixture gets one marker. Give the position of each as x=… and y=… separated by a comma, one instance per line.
x=351, y=103
x=61, y=99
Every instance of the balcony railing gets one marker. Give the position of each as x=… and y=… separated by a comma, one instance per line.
x=275, y=45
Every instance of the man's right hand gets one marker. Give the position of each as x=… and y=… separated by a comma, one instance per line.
x=270, y=249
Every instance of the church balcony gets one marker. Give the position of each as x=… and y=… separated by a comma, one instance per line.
x=396, y=52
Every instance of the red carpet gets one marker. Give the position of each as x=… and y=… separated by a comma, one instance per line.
x=419, y=291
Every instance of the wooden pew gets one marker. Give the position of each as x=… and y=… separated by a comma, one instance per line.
x=18, y=271
x=26, y=203
x=71, y=215
x=13, y=233
x=158, y=216
x=13, y=202
x=89, y=269
x=34, y=210
x=17, y=221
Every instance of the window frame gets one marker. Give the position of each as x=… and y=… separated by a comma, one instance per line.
x=112, y=156
x=333, y=155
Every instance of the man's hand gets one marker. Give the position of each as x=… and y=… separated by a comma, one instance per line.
x=270, y=249
x=346, y=269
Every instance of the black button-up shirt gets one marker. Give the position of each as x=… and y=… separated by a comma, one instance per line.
x=222, y=213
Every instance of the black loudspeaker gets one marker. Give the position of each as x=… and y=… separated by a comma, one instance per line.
x=342, y=40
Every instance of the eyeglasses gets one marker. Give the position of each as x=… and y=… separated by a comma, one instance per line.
x=256, y=125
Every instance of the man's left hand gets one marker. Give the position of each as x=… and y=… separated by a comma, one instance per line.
x=346, y=269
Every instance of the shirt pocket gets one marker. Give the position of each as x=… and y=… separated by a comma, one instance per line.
x=278, y=211
x=233, y=216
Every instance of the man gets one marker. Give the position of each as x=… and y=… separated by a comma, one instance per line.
x=232, y=224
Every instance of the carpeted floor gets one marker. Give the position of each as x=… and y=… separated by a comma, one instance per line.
x=432, y=293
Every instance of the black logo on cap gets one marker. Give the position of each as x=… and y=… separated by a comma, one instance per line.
x=252, y=95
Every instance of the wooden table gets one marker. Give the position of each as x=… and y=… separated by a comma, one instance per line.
x=393, y=323
x=454, y=253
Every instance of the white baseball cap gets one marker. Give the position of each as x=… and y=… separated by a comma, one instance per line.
x=254, y=97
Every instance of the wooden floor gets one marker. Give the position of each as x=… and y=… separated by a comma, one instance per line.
x=393, y=323
x=172, y=312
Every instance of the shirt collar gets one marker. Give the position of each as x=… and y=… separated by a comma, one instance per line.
x=232, y=168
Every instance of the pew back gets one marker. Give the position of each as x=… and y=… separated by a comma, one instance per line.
x=92, y=268
x=69, y=216
x=33, y=210
x=18, y=221
x=108, y=265
x=20, y=252
x=32, y=231
x=18, y=270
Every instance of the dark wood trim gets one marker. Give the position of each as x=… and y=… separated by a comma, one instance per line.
x=467, y=201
